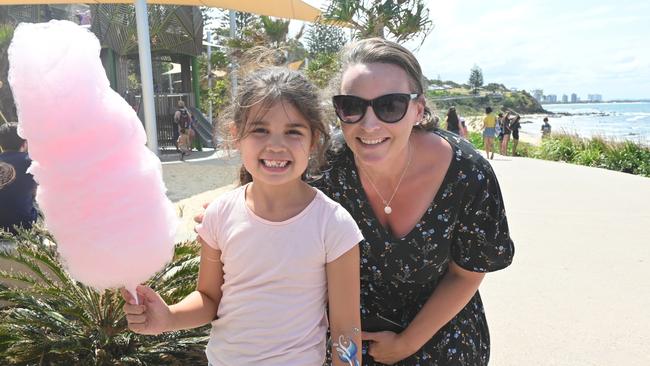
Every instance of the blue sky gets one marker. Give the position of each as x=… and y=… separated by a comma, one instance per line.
x=562, y=47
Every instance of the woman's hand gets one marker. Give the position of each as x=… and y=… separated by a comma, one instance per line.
x=387, y=347
x=152, y=316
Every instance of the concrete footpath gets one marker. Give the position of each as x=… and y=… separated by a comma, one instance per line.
x=578, y=291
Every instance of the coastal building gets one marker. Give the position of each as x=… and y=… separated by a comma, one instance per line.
x=565, y=98
x=551, y=98
x=595, y=98
x=574, y=98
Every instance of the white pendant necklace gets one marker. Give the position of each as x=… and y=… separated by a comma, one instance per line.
x=387, y=208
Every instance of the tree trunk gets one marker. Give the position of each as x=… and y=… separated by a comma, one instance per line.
x=7, y=105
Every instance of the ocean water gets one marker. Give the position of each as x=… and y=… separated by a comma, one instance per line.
x=613, y=121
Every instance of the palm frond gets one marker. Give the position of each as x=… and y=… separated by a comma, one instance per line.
x=53, y=319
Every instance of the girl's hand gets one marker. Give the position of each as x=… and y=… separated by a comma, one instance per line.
x=152, y=316
x=387, y=347
x=199, y=218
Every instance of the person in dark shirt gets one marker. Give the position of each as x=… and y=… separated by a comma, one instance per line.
x=453, y=124
x=515, y=126
x=546, y=128
x=17, y=187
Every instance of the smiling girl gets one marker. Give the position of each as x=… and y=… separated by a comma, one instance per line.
x=274, y=251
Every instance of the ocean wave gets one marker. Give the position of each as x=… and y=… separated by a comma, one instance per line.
x=638, y=117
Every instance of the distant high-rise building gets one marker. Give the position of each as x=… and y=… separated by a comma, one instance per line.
x=574, y=98
x=538, y=94
x=551, y=98
x=595, y=98
x=565, y=98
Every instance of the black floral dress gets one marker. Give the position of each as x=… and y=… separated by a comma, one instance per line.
x=466, y=223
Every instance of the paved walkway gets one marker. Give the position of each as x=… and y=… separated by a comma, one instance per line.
x=578, y=292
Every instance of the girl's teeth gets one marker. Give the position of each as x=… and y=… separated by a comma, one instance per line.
x=275, y=163
x=372, y=142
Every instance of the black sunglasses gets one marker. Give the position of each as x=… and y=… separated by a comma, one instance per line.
x=389, y=108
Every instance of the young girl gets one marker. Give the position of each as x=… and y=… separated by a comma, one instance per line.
x=274, y=251
x=183, y=142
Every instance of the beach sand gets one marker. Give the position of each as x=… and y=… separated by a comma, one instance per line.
x=530, y=127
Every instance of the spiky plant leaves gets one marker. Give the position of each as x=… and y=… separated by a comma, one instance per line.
x=51, y=319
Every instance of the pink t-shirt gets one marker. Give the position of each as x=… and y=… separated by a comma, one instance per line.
x=275, y=287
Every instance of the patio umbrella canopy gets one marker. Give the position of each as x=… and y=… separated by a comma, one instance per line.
x=288, y=9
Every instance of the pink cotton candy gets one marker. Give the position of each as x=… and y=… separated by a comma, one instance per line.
x=100, y=188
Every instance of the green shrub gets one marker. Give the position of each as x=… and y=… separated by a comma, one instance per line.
x=557, y=148
x=625, y=157
x=51, y=319
x=588, y=157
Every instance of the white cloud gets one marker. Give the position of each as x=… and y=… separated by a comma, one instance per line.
x=562, y=47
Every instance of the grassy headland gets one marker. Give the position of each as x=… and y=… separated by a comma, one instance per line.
x=447, y=94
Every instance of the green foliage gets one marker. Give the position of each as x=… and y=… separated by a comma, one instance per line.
x=275, y=29
x=521, y=102
x=496, y=88
x=402, y=20
x=323, y=38
x=475, y=79
x=558, y=148
x=6, y=34
x=626, y=157
x=476, y=138
x=51, y=319
x=496, y=96
x=322, y=69
x=219, y=95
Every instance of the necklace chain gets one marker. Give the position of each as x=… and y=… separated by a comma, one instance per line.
x=387, y=208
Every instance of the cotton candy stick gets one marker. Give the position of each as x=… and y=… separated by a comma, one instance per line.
x=100, y=188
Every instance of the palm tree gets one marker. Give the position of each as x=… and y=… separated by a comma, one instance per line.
x=51, y=319
x=276, y=29
x=403, y=20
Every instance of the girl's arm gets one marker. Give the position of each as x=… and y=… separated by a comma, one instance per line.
x=154, y=316
x=343, y=287
x=200, y=307
x=452, y=294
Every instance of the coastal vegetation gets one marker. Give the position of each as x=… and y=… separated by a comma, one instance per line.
x=471, y=101
x=48, y=318
x=626, y=157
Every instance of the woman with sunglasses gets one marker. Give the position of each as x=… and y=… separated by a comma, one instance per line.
x=429, y=207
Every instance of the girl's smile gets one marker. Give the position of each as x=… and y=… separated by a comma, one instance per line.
x=275, y=148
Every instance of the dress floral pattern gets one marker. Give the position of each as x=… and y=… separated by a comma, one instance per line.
x=466, y=223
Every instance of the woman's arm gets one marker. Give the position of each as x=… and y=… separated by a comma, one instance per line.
x=154, y=316
x=343, y=287
x=452, y=294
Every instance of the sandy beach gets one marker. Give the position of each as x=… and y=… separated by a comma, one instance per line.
x=578, y=292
